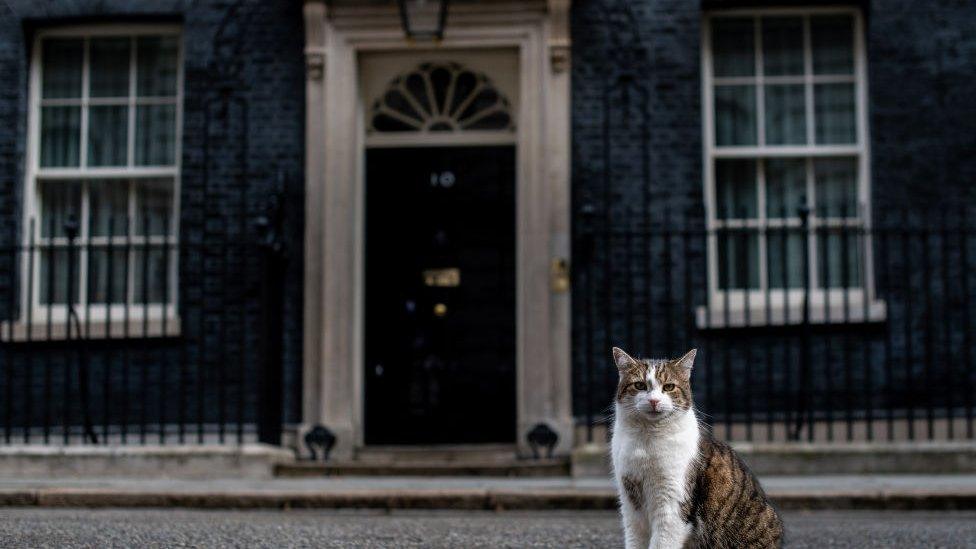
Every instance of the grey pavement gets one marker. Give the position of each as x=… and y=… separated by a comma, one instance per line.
x=880, y=492
x=810, y=484
x=181, y=528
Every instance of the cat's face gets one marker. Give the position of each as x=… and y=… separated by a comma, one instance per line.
x=654, y=390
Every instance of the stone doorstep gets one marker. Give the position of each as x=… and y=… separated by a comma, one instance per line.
x=438, y=452
x=451, y=499
x=150, y=461
x=263, y=461
x=593, y=459
x=431, y=468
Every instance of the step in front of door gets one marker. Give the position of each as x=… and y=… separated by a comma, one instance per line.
x=413, y=467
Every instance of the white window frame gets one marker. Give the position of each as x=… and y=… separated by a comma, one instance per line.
x=748, y=307
x=162, y=317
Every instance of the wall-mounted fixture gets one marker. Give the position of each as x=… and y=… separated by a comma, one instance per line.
x=423, y=19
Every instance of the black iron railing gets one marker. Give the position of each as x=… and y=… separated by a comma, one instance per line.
x=816, y=329
x=137, y=337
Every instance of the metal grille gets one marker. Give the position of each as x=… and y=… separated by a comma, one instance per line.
x=143, y=357
x=887, y=355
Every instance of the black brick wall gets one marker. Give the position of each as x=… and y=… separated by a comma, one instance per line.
x=637, y=161
x=243, y=125
x=637, y=155
x=921, y=60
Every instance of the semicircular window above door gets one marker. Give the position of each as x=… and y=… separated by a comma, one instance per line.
x=441, y=97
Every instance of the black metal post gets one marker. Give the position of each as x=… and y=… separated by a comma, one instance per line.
x=71, y=232
x=787, y=320
x=966, y=325
x=273, y=264
x=6, y=359
x=908, y=359
x=82, y=351
x=29, y=316
x=805, y=374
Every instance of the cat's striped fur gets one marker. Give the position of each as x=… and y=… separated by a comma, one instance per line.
x=678, y=486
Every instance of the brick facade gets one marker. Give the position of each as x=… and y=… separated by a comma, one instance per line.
x=637, y=159
x=637, y=165
x=243, y=128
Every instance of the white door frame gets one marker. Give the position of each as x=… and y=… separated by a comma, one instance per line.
x=334, y=252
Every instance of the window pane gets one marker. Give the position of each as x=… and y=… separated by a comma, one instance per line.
x=60, y=133
x=150, y=274
x=735, y=184
x=842, y=258
x=786, y=122
x=738, y=258
x=107, y=270
x=155, y=135
x=785, y=186
x=156, y=58
x=832, y=38
x=154, y=200
x=733, y=46
x=53, y=285
x=61, y=67
x=833, y=106
x=836, y=187
x=109, y=204
x=110, y=59
x=60, y=200
x=782, y=39
x=108, y=128
x=785, y=255
x=735, y=115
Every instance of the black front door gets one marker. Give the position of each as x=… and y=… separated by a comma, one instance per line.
x=440, y=295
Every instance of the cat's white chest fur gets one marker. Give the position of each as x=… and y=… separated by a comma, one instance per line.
x=659, y=461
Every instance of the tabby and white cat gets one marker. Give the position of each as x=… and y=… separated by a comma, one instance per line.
x=678, y=486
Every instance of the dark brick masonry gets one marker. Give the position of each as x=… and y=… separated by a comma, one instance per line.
x=250, y=52
x=637, y=168
x=637, y=148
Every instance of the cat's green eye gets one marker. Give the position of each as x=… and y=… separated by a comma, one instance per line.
x=668, y=387
x=640, y=385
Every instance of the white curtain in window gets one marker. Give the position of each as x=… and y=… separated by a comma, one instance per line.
x=154, y=200
x=107, y=135
x=61, y=75
x=157, y=59
x=735, y=115
x=109, y=207
x=59, y=200
x=832, y=38
x=834, y=112
x=733, y=47
x=785, y=114
x=782, y=39
x=735, y=182
x=155, y=135
x=110, y=59
x=60, y=136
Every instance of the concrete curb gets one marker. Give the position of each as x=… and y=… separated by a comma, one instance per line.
x=459, y=499
x=511, y=468
x=254, y=461
x=798, y=458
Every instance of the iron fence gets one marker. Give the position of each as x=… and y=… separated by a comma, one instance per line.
x=815, y=329
x=136, y=337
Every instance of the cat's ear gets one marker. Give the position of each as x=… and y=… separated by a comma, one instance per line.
x=622, y=359
x=687, y=361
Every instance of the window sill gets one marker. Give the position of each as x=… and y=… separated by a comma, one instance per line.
x=136, y=328
x=717, y=318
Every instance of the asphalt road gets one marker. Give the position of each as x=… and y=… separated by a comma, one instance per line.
x=180, y=528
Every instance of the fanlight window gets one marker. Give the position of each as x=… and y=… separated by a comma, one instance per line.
x=441, y=97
